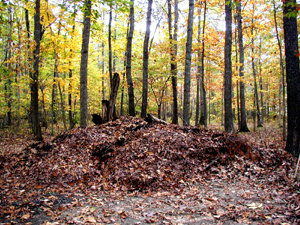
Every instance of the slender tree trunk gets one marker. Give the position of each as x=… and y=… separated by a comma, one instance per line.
x=30, y=62
x=62, y=104
x=131, y=107
x=198, y=75
x=236, y=69
x=228, y=68
x=55, y=76
x=146, y=61
x=259, y=123
x=70, y=88
x=243, y=127
x=203, y=114
x=261, y=84
x=110, y=47
x=174, y=68
x=103, y=71
x=187, y=71
x=122, y=95
x=8, y=89
x=18, y=75
x=293, y=77
x=54, y=89
x=282, y=72
x=173, y=54
x=84, y=64
x=36, y=128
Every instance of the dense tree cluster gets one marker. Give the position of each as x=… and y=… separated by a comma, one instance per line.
x=169, y=56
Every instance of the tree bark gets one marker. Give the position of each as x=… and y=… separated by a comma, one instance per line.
x=259, y=123
x=203, y=111
x=146, y=61
x=292, y=75
x=34, y=88
x=109, y=106
x=187, y=71
x=62, y=105
x=103, y=71
x=110, y=47
x=7, y=85
x=282, y=72
x=228, y=68
x=131, y=107
x=84, y=64
x=198, y=76
x=243, y=126
x=261, y=84
x=70, y=88
x=173, y=54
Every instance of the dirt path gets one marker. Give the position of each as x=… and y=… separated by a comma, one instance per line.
x=209, y=202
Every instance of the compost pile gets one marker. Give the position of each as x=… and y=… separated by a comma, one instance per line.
x=132, y=154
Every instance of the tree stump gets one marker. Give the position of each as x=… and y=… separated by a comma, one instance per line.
x=109, y=106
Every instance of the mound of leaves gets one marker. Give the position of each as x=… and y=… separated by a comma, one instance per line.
x=130, y=153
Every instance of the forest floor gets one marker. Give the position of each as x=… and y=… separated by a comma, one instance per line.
x=131, y=171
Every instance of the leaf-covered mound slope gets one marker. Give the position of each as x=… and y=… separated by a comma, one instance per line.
x=133, y=154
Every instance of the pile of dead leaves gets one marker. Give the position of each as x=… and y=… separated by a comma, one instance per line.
x=130, y=153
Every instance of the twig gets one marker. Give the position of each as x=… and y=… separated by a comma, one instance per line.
x=211, y=163
x=297, y=167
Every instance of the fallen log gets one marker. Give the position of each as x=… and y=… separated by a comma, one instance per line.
x=152, y=119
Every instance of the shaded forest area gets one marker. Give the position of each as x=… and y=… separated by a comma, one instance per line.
x=110, y=109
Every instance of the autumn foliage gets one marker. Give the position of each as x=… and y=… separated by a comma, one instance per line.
x=130, y=154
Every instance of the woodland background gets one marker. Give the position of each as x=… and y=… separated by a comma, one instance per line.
x=61, y=51
x=230, y=65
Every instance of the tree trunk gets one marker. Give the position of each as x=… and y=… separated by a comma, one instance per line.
x=34, y=88
x=84, y=64
x=70, y=88
x=261, y=84
x=110, y=47
x=203, y=111
x=8, y=88
x=109, y=107
x=131, y=107
x=103, y=71
x=187, y=71
x=62, y=104
x=18, y=75
x=282, y=72
x=292, y=75
x=122, y=95
x=146, y=61
x=198, y=76
x=228, y=69
x=173, y=54
x=243, y=127
x=55, y=76
x=259, y=123
x=30, y=62
x=174, y=68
